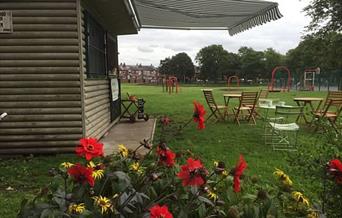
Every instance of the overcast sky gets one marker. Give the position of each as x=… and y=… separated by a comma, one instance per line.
x=150, y=46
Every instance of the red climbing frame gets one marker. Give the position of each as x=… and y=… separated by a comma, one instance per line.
x=230, y=81
x=284, y=88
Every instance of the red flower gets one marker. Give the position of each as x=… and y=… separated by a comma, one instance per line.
x=81, y=174
x=198, y=116
x=165, y=121
x=160, y=212
x=166, y=156
x=193, y=173
x=89, y=148
x=335, y=169
x=240, y=167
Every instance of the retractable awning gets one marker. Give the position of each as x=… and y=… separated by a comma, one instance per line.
x=232, y=15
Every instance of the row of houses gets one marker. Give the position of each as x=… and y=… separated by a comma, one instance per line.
x=138, y=73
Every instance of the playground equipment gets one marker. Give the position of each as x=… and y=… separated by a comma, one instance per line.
x=285, y=85
x=171, y=84
x=309, y=78
x=229, y=81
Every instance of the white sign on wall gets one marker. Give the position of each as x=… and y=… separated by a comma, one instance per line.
x=114, y=83
x=6, y=22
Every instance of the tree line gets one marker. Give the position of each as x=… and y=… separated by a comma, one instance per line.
x=215, y=63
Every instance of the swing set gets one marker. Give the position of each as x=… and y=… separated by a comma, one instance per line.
x=231, y=78
x=171, y=85
x=285, y=85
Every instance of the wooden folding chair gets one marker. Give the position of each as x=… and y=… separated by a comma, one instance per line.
x=216, y=110
x=263, y=94
x=247, y=104
x=332, y=95
x=331, y=112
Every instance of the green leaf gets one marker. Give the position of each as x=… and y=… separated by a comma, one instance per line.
x=206, y=200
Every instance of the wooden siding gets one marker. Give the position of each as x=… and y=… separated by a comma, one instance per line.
x=40, y=86
x=96, y=99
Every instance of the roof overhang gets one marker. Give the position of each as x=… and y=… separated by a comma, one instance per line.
x=116, y=16
x=232, y=15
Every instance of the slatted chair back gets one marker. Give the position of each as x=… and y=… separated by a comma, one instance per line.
x=209, y=97
x=289, y=111
x=249, y=99
x=335, y=104
x=263, y=94
x=332, y=95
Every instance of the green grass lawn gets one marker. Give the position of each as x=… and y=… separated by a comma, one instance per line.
x=219, y=141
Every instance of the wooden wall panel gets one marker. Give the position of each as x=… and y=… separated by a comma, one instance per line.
x=96, y=99
x=40, y=85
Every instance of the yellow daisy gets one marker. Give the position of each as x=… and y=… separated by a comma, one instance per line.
x=76, y=208
x=283, y=177
x=225, y=173
x=66, y=165
x=216, y=163
x=299, y=197
x=136, y=167
x=104, y=203
x=123, y=151
x=212, y=195
x=98, y=172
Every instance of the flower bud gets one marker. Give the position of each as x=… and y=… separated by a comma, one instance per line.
x=233, y=212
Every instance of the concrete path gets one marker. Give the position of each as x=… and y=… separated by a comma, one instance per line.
x=129, y=134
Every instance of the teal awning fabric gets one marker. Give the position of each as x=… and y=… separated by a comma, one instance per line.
x=232, y=15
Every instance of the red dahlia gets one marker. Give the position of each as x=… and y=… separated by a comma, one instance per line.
x=335, y=169
x=89, y=148
x=193, y=173
x=198, y=116
x=81, y=174
x=165, y=121
x=166, y=156
x=240, y=167
x=160, y=212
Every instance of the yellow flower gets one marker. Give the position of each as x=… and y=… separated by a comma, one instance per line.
x=212, y=195
x=216, y=163
x=104, y=203
x=225, y=173
x=136, y=167
x=76, y=208
x=312, y=214
x=66, y=165
x=283, y=177
x=299, y=197
x=123, y=151
x=98, y=172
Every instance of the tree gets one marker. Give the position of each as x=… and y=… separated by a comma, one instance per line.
x=252, y=63
x=164, y=66
x=213, y=62
x=326, y=16
x=272, y=59
x=179, y=65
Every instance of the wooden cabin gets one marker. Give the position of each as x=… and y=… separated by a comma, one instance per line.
x=59, y=71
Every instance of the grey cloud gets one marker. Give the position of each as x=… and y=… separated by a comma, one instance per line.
x=145, y=49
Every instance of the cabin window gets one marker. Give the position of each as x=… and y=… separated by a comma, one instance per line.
x=6, y=22
x=96, y=48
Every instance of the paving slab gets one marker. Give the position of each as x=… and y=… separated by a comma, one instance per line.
x=128, y=133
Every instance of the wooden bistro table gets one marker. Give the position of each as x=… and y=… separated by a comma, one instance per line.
x=229, y=96
x=305, y=102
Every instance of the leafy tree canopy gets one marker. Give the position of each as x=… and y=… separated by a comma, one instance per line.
x=326, y=16
x=179, y=65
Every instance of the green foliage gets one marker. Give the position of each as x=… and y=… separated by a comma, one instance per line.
x=313, y=163
x=179, y=65
x=128, y=191
x=326, y=16
x=214, y=62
